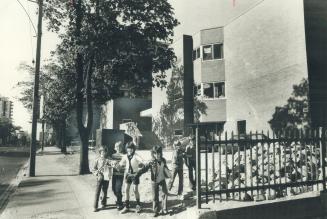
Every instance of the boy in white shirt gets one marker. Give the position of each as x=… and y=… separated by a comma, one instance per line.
x=132, y=162
x=103, y=171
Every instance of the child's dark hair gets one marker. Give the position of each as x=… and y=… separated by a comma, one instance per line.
x=130, y=145
x=156, y=149
x=178, y=144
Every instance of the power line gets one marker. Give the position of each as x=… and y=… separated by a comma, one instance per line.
x=31, y=37
x=27, y=16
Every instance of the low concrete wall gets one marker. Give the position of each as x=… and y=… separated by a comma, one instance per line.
x=300, y=208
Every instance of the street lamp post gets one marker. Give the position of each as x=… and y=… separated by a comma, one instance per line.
x=36, y=92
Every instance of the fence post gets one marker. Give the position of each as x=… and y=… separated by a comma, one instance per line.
x=323, y=156
x=198, y=168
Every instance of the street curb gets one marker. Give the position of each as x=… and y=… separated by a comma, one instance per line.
x=5, y=197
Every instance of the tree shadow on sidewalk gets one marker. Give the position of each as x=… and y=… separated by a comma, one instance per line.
x=37, y=182
x=49, y=153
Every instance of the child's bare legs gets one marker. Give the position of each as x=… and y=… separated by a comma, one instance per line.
x=137, y=197
x=136, y=193
x=127, y=188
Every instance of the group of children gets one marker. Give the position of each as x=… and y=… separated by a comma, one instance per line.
x=128, y=168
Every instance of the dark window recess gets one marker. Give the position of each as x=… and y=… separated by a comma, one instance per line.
x=198, y=53
x=4, y=108
x=213, y=90
x=241, y=127
x=197, y=90
x=214, y=51
x=194, y=55
x=178, y=132
x=218, y=51
x=219, y=90
x=208, y=90
x=207, y=52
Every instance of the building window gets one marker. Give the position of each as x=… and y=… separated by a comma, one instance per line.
x=197, y=90
x=212, y=90
x=208, y=90
x=207, y=52
x=219, y=90
x=214, y=51
x=4, y=108
x=218, y=51
x=196, y=54
x=178, y=132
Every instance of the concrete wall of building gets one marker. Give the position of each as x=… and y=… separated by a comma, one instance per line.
x=216, y=111
x=211, y=35
x=130, y=108
x=72, y=133
x=210, y=70
x=213, y=70
x=264, y=52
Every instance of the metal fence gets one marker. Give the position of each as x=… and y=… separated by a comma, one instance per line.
x=258, y=165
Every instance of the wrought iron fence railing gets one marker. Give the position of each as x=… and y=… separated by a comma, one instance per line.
x=259, y=165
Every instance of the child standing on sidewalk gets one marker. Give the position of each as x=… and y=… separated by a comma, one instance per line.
x=159, y=172
x=103, y=171
x=177, y=167
x=132, y=162
x=190, y=161
x=118, y=175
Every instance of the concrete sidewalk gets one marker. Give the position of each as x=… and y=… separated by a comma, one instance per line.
x=58, y=192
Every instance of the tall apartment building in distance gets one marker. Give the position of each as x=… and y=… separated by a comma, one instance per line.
x=6, y=108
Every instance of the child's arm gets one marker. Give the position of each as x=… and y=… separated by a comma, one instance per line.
x=95, y=167
x=139, y=159
x=144, y=169
x=121, y=163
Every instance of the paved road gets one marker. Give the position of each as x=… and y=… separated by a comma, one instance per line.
x=11, y=161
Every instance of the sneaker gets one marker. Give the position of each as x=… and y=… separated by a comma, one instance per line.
x=163, y=212
x=138, y=209
x=119, y=207
x=125, y=210
x=95, y=210
x=156, y=214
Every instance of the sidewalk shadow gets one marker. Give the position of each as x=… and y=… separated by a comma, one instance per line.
x=58, y=175
x=49, y=153
x=37, y=182
x=35, y=191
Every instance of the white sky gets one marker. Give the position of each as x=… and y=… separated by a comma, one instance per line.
x=18, y=44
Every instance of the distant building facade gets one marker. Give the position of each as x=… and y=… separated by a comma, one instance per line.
x=6, y=108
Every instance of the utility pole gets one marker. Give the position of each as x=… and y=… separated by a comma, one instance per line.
x=36, y=92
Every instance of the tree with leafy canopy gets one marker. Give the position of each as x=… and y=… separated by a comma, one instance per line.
x=7, y=130
x=171, y=114
x=112, y=43
x=56, y=86
x=294, y=114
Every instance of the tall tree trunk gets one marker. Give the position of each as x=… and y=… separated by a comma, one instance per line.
x=57, y=135
x=63, y=137
x=79, y=67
